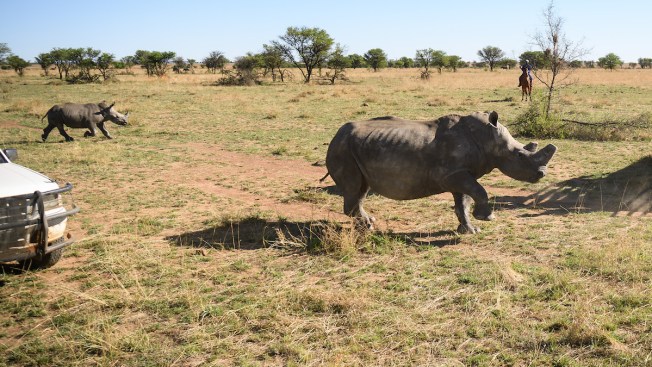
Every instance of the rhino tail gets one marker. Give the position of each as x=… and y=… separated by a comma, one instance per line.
x=323, y=178
x=46, y=114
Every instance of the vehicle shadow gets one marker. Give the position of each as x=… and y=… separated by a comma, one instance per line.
x=11, y=269
x=296, y=237
x=627, y=191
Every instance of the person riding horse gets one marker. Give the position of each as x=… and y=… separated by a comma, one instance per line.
x=527, y=67
x=526, y=88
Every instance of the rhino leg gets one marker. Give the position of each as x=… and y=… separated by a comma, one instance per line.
x=47, y=131
x=64, y=133
x=354, y=189
x=465, y=183
x=104, y=130
x=90, y=132
x=462, y=205
x=353, y=199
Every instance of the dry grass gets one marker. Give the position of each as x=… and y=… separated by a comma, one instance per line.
x=204, y=238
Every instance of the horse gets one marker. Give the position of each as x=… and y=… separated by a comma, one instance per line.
x=526, y=85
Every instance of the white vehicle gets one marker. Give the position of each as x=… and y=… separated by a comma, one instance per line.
x=32, y=215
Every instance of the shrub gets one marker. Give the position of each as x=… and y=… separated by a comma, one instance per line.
x=533, y=123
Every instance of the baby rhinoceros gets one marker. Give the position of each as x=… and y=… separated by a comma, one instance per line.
x=82, y=116
x=402, y=160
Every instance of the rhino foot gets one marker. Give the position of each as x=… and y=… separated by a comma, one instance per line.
x=467, y=229
x=70, y=138
x=483, y=212
x=43, y=137
x=365, y=224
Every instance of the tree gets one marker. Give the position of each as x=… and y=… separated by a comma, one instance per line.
x=179, y=64
x=376, y=58
x=507, y=63
x=645, y=62
x=536, y=58
x=558, y=52
x=427, y=58
x=45, y=59
x=356, y=61
x=246, y=73
x=63, y=60
x=306, y=48
x=610, y=61
x=4, y=52
x=453, y=62
x=160, y=61
x=18, y=64
x=191, y=65
x=491, y=55
x=129, y=62
x=439, y=60
x=272, y=62
x=576, y=64
x=104, y=63
x=84, y=59
x=214, y=61
x=406, y=62
x=423, y=59
x=154, y=62
x=337, y=63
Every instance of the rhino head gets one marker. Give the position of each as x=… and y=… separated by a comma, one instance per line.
x=518, y=161
x=109, y=113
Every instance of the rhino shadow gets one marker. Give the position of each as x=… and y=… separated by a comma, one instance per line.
x=625, y=192
x=439, y=239
x=296, y=237
x=248, y=234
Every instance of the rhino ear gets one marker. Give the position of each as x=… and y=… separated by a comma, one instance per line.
x=531, y=147
x=493, y=118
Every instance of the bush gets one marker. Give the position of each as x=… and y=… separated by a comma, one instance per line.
x=533, y=123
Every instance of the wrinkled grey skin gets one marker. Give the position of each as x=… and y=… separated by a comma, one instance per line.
x=403, y=160
x=82, y=116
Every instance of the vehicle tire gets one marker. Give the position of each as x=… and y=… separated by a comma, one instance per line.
x=45, y=261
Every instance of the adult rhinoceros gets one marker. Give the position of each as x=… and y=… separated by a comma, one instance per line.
x=82, y=116
x=402, y=160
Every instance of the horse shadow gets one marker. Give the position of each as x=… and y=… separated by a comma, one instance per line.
x=627, y=191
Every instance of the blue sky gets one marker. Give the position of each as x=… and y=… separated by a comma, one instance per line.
x=194, y=28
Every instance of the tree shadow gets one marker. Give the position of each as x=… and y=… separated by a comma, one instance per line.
x=626, y=192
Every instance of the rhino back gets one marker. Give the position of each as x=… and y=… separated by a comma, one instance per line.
x=400, y=159
x=79, y=115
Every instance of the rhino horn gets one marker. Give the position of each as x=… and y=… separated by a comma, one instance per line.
x=543, y=156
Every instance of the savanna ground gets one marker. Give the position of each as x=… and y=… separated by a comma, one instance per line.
x=205, y=237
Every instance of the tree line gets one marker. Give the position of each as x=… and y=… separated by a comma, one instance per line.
x=306, y=49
